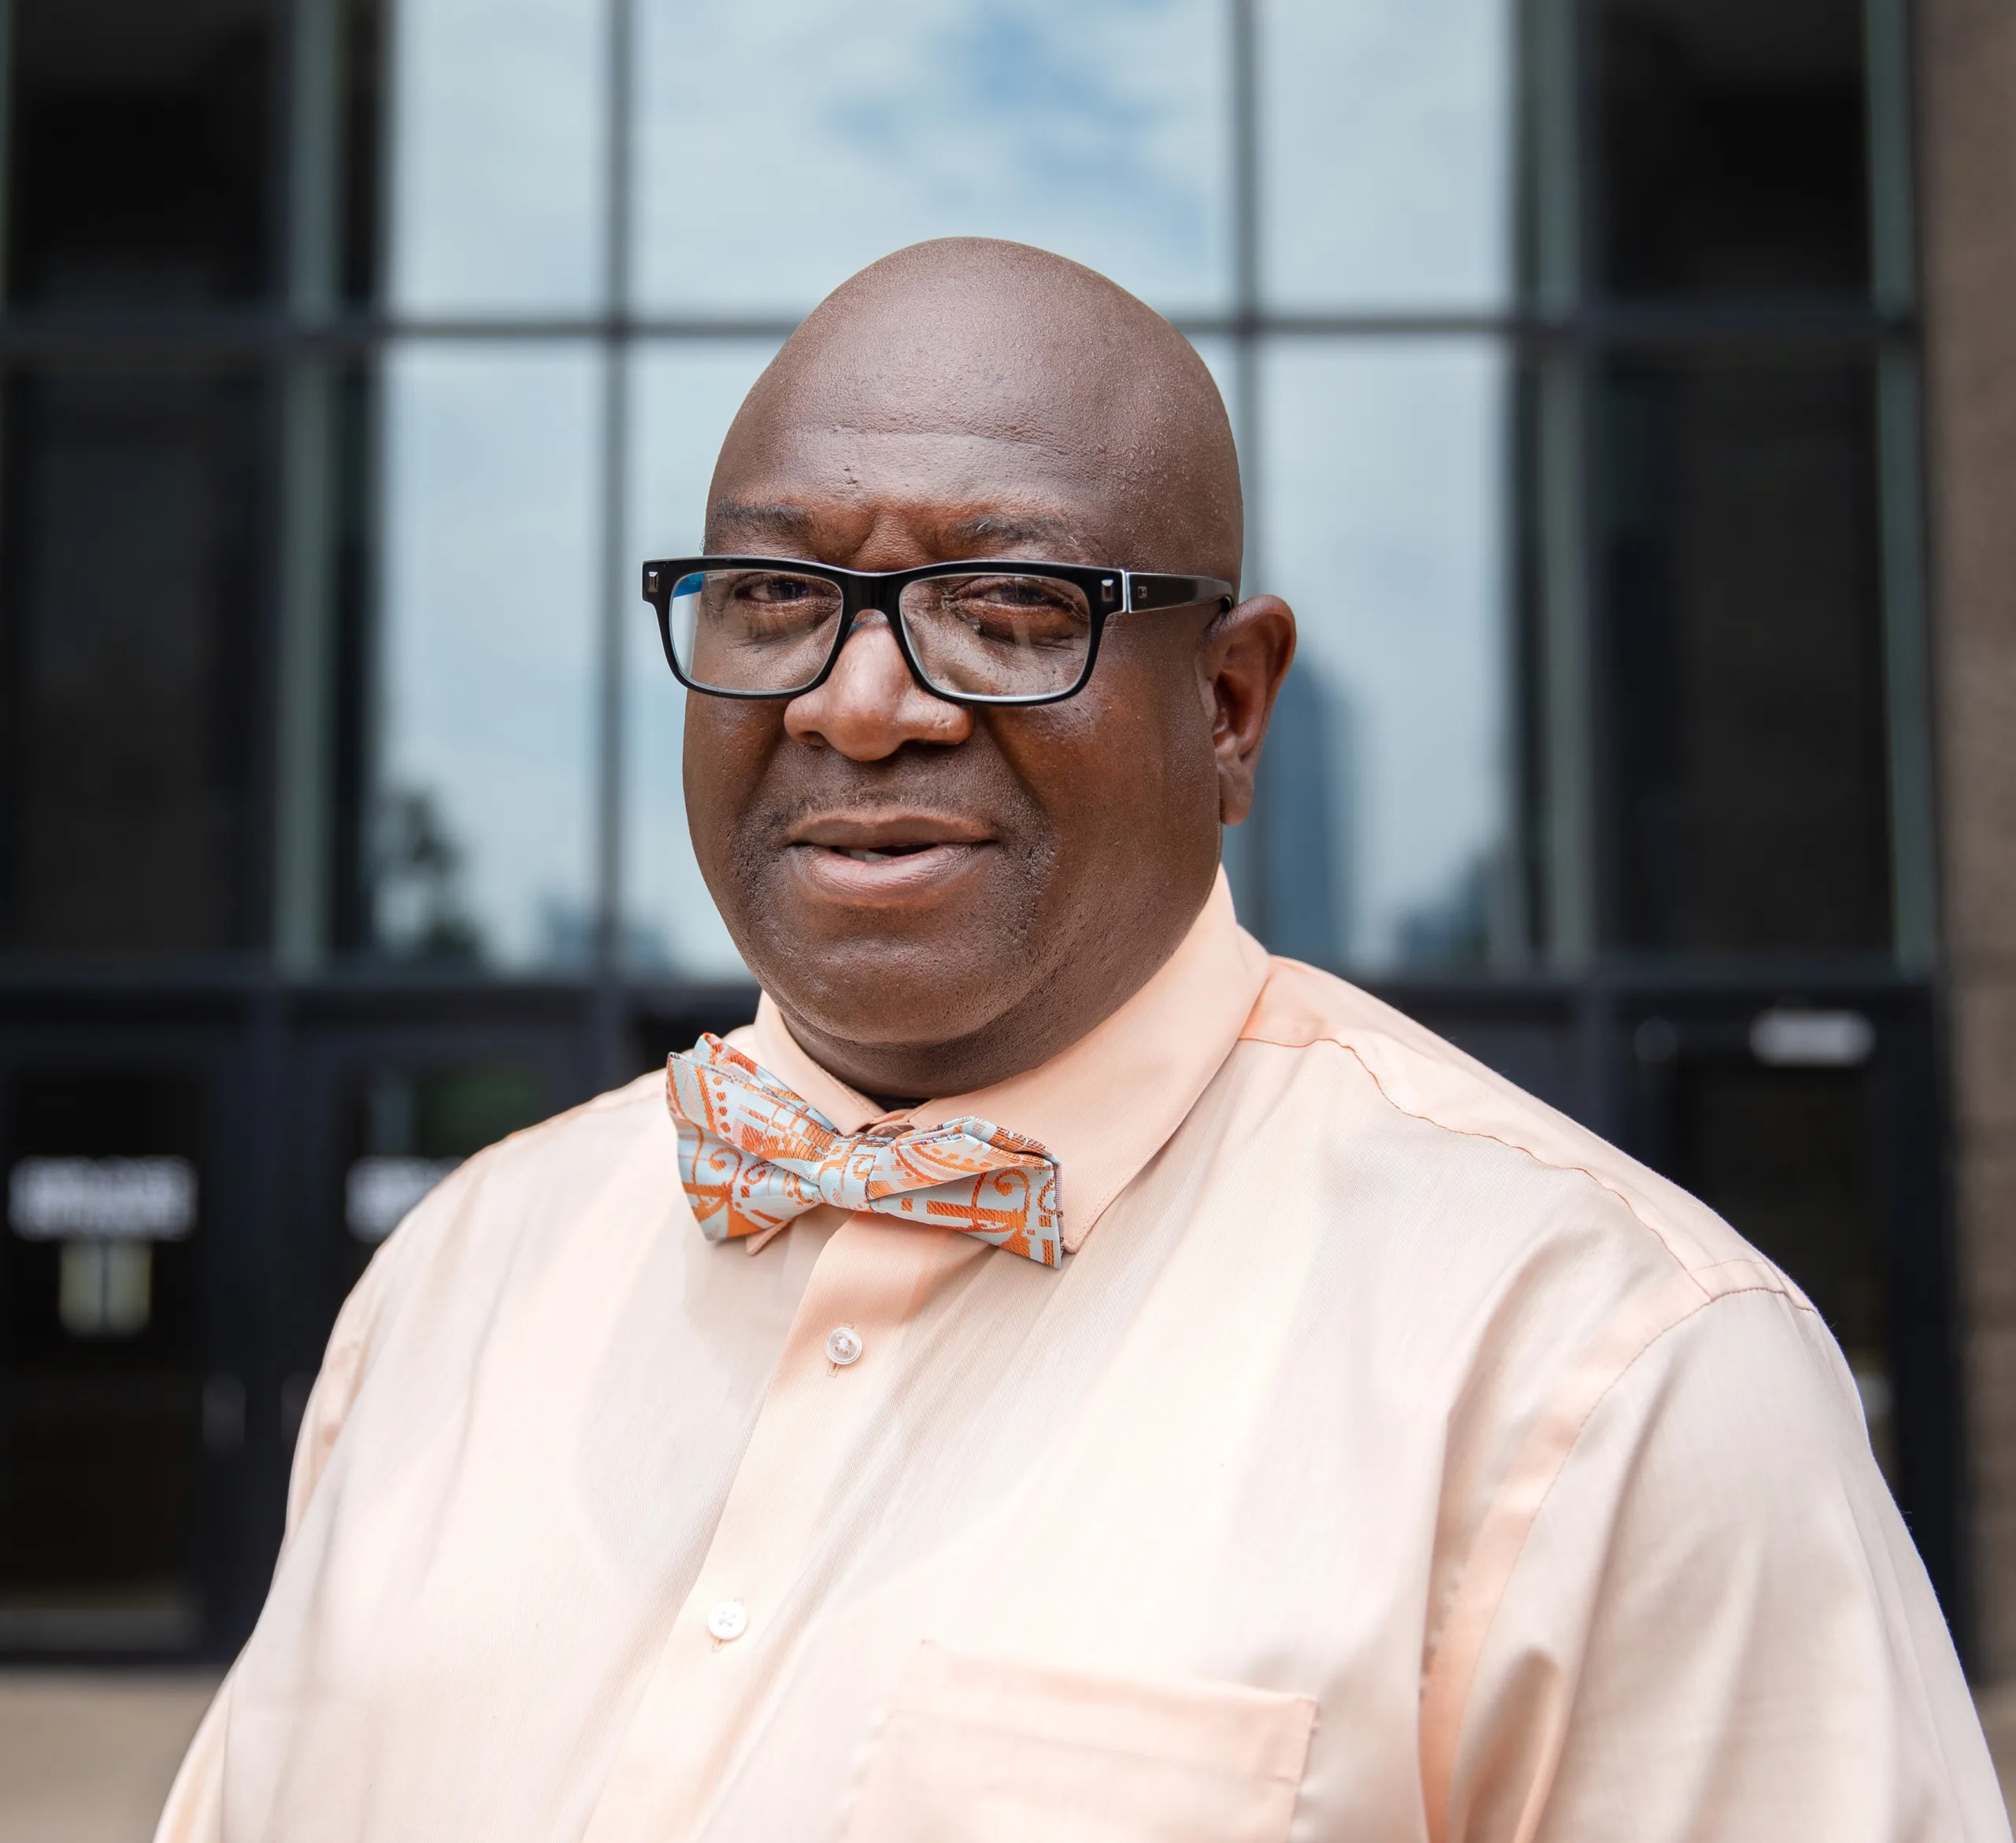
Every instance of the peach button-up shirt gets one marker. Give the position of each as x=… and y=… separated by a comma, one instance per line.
x=1390, y=1460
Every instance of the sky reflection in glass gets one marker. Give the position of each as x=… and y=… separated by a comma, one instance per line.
x=499, y=147
x=1383, y=527
x=1386, y=154
x=482, y=826
x=783, y=145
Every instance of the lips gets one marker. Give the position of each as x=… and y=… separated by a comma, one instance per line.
x=883, y=859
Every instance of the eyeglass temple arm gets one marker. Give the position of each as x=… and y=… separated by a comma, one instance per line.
x=1146, y=592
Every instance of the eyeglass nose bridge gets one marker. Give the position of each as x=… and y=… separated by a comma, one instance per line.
x=870, y=594
x=875, y=596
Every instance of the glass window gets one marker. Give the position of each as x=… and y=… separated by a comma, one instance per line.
x=499, y=151
x=782, y=144
x=481, y=831
x=1733, y=146
x=1743, y=630
x=1386, y=140
x=140, y=150
x=1788, y=1155
x=683, y=398
x=101, y=1400
x=1381, y=834
x=133, y=572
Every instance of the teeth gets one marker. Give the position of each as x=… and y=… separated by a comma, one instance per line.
x=868, y=856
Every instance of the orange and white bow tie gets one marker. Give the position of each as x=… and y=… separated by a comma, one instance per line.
x=753, y=1156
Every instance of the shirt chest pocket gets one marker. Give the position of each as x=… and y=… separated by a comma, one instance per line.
x=980, y=1749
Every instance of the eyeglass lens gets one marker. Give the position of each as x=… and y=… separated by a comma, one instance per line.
x=990, y=634
x=753, y=630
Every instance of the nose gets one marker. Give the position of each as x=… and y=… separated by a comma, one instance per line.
x=870, y=705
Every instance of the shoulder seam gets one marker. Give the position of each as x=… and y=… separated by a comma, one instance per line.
x=1351, y=1049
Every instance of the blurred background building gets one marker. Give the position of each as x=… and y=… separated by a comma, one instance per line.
x=355, y=351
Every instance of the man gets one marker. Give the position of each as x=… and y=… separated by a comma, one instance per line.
x=1058, y=1373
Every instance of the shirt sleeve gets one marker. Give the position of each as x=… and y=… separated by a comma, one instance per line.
x=336, y=1385
x=1716, y=1626
x=194, y=1810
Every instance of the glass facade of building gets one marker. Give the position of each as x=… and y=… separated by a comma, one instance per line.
x=355, y=351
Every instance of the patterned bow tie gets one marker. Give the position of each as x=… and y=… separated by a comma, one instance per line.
x=753, y=1156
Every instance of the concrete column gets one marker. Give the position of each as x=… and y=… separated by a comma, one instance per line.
x=1966, y=61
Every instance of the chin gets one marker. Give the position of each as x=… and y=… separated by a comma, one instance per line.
x=897, y=985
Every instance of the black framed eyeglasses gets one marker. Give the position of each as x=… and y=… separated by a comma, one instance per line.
x=974, y=632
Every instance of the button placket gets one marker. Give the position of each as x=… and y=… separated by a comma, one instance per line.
x=868, y=1281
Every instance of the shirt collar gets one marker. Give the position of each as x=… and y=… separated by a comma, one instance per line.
x=1108, y=1104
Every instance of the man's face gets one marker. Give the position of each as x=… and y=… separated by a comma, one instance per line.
x=938, y=897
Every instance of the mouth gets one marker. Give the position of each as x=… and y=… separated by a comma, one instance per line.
x=863, y=855
x=885, y=858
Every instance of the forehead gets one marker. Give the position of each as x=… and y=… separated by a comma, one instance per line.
x=958, y=490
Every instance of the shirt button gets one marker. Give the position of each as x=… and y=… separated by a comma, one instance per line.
x=843, y=1346
x=728, y=1621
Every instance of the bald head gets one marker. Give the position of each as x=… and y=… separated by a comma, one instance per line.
x=938, y=893
x=975, y=345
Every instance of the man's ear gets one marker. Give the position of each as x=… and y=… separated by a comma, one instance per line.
x=1242, y=658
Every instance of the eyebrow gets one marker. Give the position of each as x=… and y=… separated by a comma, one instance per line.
x=792, y=520
x=976, y=532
